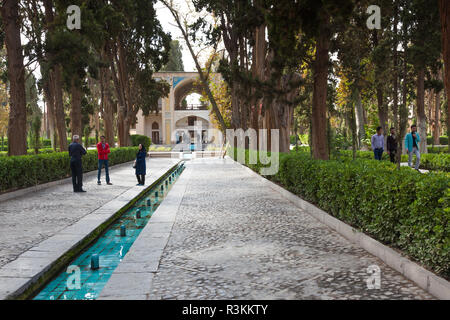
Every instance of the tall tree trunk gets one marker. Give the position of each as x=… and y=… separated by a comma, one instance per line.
x=59, y=109
x=395, y=107
x=421, y=116
x=235, y=111
x=259, y=56
x=49, y=97
x=382, y=110
x=75, y=112
x=437, y=120
x=382, y=107
x=429, y=108
x=359, y=114
x=125, y=111
x=319, y=106
x=444, y=10
x=107, y=107
x=282, y=110
x=403, y=109
x=243, y=104
x=17, y=133
x=55, y=82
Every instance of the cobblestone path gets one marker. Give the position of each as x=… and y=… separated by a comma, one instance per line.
x=235, y=239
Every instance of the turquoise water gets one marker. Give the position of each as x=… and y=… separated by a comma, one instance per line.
x=111, y=248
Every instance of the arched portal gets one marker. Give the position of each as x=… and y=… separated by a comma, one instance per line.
x=184, y=86
x=155, y=133
x=185, y=89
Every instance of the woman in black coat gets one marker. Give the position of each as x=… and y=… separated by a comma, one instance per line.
x=140, y=165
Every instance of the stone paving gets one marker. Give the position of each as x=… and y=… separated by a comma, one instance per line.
x=236, y=239
x=30, y=219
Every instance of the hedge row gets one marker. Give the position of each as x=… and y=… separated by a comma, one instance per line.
x=30, y=151
x=24, y=171
x=433, y=149
x=401, y=208
x=428, y=161
x=136, y=139
x=442, y=140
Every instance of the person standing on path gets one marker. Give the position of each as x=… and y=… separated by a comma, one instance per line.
x=391, y=145
x=76, y=151
x=140, y=165
x=378, y=144
x=103, y=150
x=412, y=140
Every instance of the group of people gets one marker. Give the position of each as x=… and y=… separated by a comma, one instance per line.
x=76, y=152
x=412, y=140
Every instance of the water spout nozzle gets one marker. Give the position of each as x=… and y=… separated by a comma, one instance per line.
x=95, y=261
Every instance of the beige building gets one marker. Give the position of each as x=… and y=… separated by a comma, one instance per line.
x=175, y=116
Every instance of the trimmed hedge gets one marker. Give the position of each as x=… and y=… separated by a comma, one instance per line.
x=136, y=139
x=25, y=171
x=401, y=208
x=432, y=149
x=30, y=152
x=428, y=161
x=442, y=140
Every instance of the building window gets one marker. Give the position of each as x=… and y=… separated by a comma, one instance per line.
x=191, y=121
x=159, y=104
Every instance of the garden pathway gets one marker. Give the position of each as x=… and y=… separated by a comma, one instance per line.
x=235, y=238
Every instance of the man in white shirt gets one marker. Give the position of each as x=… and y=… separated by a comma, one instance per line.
x=378, y=144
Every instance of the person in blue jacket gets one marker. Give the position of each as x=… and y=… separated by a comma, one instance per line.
x=412, y=140
x=140, y=165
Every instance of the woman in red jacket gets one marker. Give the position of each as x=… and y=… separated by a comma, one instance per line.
x=103, y=150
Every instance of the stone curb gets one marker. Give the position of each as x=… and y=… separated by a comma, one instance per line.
x=433, y=284
x=132, y=278
x=22, y=273
x=38, y=187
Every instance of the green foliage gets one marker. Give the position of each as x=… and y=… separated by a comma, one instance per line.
x=24, y=171
x=439, y=161
x=36, y=122
x=159, y=149
x=293, y=139
x=136, y=139
x=433, y=149
x=175, y=57
x=443, y=140
x=401, y=208
x=30, y=151
x=428, y=161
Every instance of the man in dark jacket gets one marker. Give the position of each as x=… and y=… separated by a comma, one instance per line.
x=391, y=145
x=76, y=151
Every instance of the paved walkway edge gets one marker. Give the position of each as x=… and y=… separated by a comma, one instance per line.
x=21, y=278
x=38, y=187
x=133, y=277
x=433, y=284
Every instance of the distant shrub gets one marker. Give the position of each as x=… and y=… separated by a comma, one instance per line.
x=443, y=140
x=136, y=139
